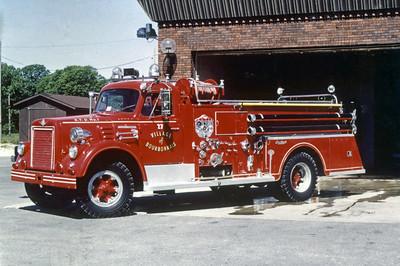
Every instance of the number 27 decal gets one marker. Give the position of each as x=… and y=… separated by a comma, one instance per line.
x=160, y=126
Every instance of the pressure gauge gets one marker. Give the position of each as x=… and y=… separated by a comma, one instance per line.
x=204, y=126
x=202, y=154
x=203, y=144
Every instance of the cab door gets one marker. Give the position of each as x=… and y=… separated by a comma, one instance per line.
x=161, y=136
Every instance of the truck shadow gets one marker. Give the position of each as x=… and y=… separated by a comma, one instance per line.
x=164, y=203
x=200, y=200
x=246, y=201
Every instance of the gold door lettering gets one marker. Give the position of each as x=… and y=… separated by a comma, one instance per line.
x=164, y=143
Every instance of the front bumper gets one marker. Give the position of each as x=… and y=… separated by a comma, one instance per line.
x=44, y=178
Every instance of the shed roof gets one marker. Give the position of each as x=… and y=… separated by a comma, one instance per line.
x=200, y=10
x=66, y=101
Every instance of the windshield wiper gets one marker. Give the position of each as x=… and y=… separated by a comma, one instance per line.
x=127, y=107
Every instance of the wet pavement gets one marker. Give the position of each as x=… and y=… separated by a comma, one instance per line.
x=361, y=199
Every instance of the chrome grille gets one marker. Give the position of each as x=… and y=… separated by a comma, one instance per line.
x=42, y=149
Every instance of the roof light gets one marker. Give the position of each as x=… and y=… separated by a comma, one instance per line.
x=331, y=89
x=116, y=73
x=168, y=46
x=154, y=71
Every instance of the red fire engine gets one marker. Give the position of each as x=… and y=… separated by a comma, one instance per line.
x=156, y=135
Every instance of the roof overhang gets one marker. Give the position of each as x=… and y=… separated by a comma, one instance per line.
x=48, y=98
x=162, y=11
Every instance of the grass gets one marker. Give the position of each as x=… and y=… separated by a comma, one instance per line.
x=13, y=138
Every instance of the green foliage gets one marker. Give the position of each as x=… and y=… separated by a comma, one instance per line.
x=73, y=80
x=13, y=138
x=18, y=84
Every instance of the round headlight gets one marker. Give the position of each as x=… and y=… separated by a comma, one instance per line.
x=76, y=134
x=21, y=149
x=73, y=152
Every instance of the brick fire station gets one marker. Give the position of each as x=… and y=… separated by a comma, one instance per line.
x=302, y=46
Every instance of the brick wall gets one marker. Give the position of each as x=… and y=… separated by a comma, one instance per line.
x=282, y=35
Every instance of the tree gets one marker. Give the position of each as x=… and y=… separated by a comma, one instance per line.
x=19, y=84
x=72, y=80
x=26, y=83
x=8, y=74
x=9, y=77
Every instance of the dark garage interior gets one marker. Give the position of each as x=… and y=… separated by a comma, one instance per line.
x=367, y=80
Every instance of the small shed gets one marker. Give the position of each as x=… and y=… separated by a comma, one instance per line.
x=48, y=105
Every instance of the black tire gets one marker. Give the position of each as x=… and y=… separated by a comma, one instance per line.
x=298, y=180
x=49, y=197
x=108, y=192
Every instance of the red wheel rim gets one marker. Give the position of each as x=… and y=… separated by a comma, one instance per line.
x=301, y=177
x=105, y=188
x=296, y=179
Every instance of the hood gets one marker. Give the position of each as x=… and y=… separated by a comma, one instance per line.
x=53, y=121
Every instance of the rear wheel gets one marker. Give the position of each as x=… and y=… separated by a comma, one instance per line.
x=298, y=180
x=49, y=197
x=108, y=192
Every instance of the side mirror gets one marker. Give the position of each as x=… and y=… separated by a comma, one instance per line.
x=92, y=100
x=165, y=98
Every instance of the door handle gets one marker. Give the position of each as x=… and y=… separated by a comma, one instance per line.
x=175, y=128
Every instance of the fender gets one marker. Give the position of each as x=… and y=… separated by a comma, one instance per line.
x=298, y=146
x=104, y=146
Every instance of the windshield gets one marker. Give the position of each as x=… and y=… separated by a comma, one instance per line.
x=118, y=100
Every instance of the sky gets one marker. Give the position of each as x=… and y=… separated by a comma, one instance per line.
x=58, y=33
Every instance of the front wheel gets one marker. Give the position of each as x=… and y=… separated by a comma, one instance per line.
x=298, y=180
x=108, y=192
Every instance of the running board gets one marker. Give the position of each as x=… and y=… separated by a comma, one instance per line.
x=213, y=183
x=348, y=172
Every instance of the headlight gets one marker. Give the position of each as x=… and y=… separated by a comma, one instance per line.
x=78, y=134
x=73, y=152
x=21, y=149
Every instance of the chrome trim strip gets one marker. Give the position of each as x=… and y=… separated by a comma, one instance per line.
x=56, y=181
x=127, y=127
x=213, y=183
x=24, y=177
x=22, y=173
x=124, y=133
x=319, y=136
x=350, y=172
x=61, y=178
x=290, y=104
x=344, y=168
x=122, y=138
x=118, y=122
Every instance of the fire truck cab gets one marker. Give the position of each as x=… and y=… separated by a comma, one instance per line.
x=161, y=135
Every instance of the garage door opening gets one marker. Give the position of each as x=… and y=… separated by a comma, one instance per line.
x=367, y=81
